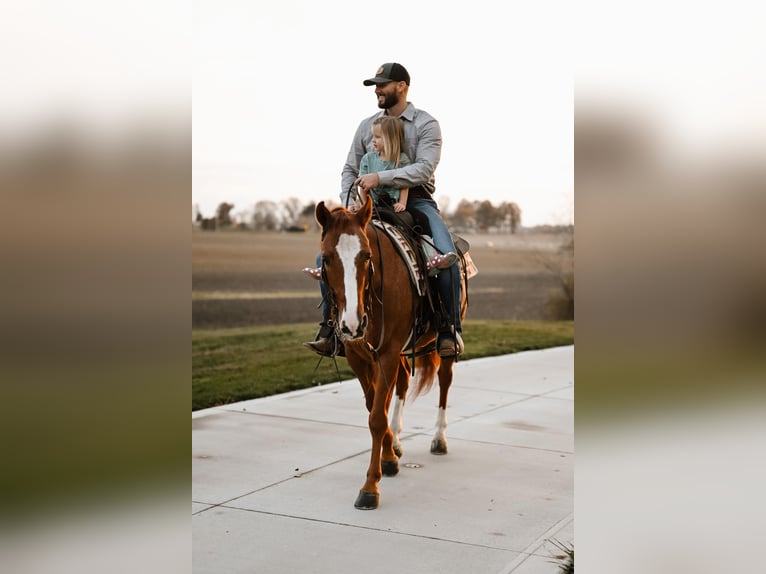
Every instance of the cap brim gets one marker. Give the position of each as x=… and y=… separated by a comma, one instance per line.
x=377, y=80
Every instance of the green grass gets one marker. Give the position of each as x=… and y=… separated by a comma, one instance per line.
x=230, y=365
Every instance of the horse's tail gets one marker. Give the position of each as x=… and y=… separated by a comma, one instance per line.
x=426, y=367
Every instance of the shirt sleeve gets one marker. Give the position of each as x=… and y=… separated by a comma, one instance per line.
x=355, y=154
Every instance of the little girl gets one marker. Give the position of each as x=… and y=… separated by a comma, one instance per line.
x=388, y=146
x=387, y=154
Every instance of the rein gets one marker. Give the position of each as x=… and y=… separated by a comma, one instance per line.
x=369, y=290
x=379, y=299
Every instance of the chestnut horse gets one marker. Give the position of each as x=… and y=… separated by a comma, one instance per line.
x=374, y=306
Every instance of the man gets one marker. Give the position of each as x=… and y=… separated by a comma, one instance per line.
x=423, y=141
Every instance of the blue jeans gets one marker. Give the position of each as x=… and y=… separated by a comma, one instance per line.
x=448, y=281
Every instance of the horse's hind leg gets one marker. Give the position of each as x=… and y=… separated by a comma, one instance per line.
x=391, y=446
x=402, y=384
x=396, y=425
x=439, y=442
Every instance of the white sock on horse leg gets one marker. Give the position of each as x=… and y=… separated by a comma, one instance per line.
x=441, y=425
x=396, y=421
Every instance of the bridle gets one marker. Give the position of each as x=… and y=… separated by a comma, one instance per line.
x=367, y=295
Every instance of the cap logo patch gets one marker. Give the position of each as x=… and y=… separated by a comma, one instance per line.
x=379, y=72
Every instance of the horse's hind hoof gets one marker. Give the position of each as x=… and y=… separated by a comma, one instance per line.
x=367, y=500
x=438, y=446
x=389, y=467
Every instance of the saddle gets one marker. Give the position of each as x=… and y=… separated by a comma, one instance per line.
x=410, y=254
x=414, y=247
x=416, y=232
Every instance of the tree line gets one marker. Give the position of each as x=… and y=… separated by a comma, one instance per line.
x=292, y=214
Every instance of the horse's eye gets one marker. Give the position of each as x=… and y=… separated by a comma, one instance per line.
x=366, y=256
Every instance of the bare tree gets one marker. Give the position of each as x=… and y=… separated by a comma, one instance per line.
x=266, y=216
x=510, y=213
x=486, y=215
x=464, y=216
x=561, y=265
x=222, y=217
x=515, y=217
x=307, y=216
x=308, y=210
x=293, y=209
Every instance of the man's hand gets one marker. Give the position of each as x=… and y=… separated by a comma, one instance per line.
x=368, y=181
x=398, y=206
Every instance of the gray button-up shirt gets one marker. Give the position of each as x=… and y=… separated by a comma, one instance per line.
x=423, y=144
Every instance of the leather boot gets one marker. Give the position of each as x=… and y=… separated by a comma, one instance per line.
x=326, y=342
x=449, y=346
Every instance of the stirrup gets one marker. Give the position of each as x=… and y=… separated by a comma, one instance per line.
x=449, y=346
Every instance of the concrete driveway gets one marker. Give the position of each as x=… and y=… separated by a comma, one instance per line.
x=274, y=480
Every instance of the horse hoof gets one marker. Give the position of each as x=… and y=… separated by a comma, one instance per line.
x=367, y=500
x=390, y=467
x=398, y=451
x=438, y=446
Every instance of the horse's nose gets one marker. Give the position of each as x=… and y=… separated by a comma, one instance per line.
x=348, y=327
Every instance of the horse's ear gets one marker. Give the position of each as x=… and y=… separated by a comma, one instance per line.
x=365, y=212
x=321, y=213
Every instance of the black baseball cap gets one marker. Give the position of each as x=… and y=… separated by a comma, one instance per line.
x=390, y=72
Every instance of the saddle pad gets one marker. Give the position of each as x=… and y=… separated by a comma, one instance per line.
x=406, y=251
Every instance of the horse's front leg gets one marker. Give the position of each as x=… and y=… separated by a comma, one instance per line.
x=382, y=457
x=369, y=494
x=439, y=442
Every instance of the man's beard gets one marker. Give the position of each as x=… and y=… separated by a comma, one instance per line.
x=389, y=102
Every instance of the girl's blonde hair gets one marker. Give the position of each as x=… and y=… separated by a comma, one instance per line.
x=393, y=137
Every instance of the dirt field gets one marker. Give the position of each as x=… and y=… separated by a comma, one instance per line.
x=243, y=278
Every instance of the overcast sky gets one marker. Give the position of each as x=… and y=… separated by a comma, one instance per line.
x=277, y=88
x=278, y=95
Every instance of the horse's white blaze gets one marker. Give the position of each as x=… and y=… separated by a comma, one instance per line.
x=441, y=425
x=396, y=421
x=348, y=247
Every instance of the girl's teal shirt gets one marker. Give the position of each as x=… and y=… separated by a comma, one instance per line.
x=371, y=163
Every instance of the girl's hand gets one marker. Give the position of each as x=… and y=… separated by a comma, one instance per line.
x=398, y=206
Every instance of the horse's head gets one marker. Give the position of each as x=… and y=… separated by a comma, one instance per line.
x=346, y=265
